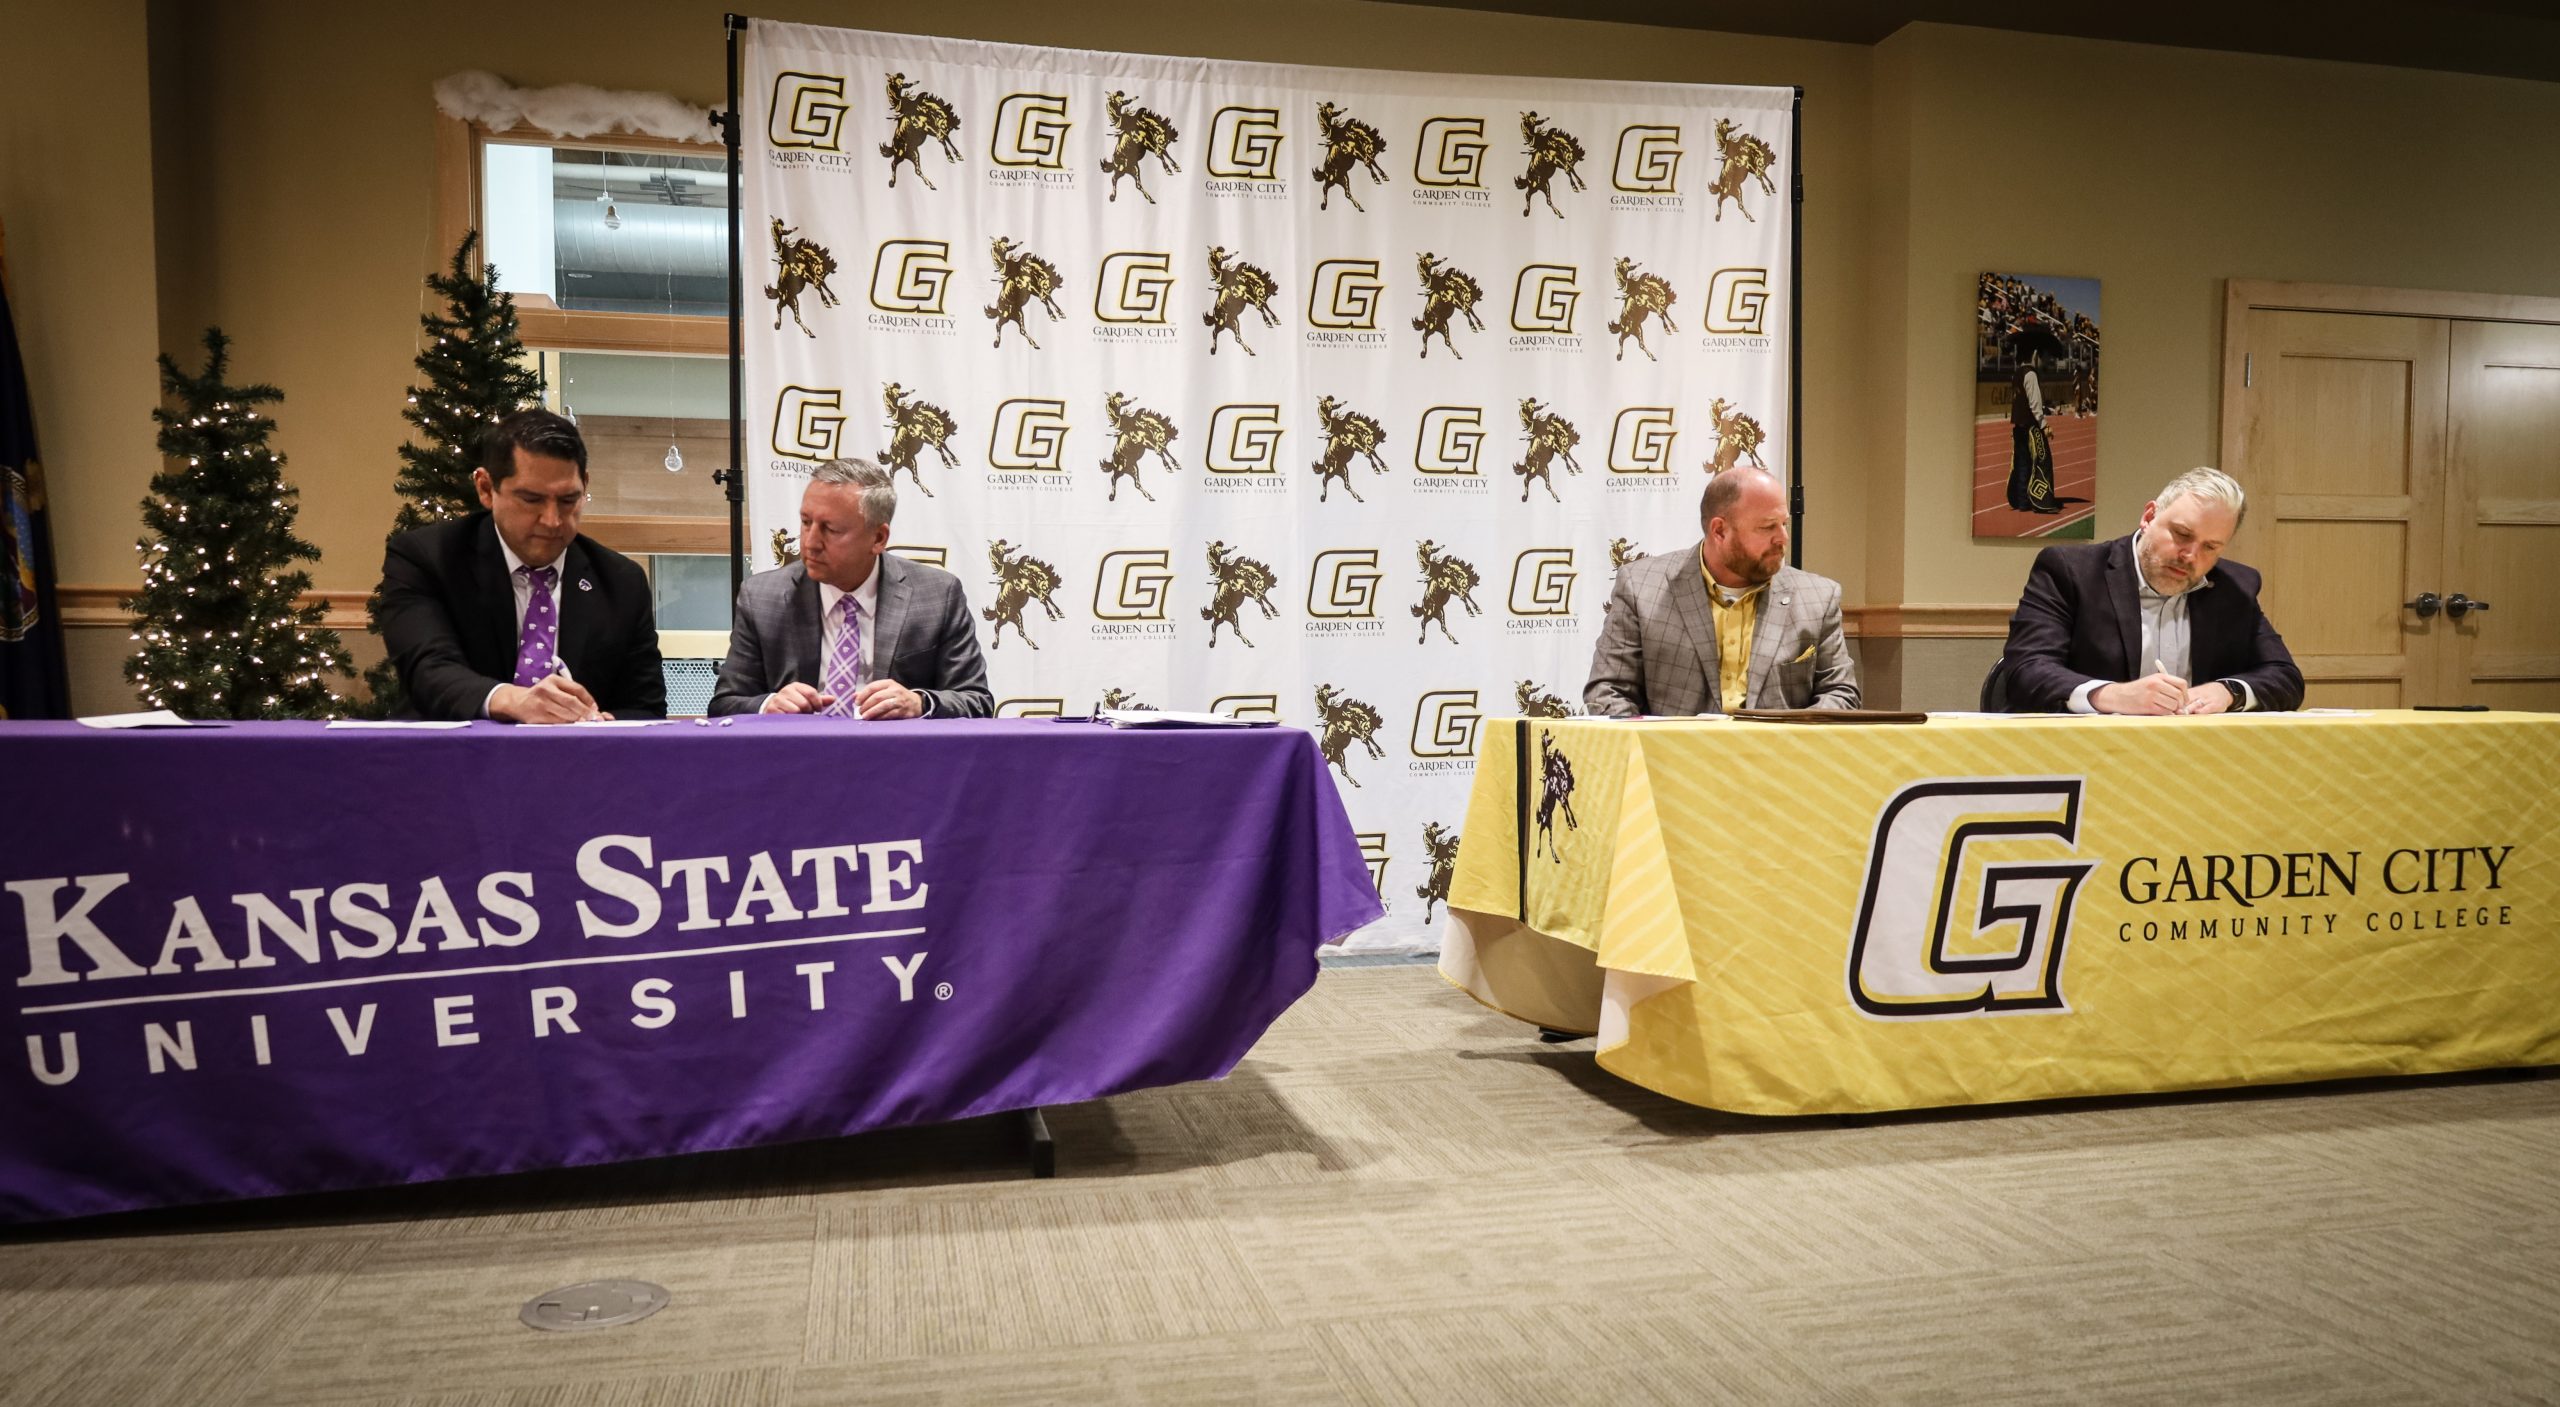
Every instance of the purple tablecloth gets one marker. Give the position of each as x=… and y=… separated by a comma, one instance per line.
x=270, y=958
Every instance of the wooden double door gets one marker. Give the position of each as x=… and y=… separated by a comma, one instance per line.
x=2401, y=450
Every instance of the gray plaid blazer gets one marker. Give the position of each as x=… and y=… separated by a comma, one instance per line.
x=925, y=638
x=1657, y=651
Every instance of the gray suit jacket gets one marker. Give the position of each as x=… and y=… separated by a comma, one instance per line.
x=924, y=639
x=1657, y=651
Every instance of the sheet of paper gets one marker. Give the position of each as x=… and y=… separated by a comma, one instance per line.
x=391, y=725
x=623, y=723
x=1169, y=718
x=156, y=718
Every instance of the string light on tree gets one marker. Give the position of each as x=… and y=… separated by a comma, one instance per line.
x=207, y=628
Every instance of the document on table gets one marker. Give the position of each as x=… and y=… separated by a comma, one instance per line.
x=392, y=725
x=156, y=718
x=1168, y=718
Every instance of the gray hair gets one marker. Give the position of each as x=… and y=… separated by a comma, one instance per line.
x=2212, y=485
x=879, y=496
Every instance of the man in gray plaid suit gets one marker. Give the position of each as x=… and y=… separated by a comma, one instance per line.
x=851, y=630
x=1726, y=626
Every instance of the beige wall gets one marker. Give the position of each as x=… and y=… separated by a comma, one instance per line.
x=294, y=161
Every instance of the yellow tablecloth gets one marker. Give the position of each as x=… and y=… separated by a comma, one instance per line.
x=1783, y=919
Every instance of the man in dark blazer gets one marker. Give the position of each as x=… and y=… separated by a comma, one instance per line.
x=852, y=630
x=2154, y=623
x=509, y=614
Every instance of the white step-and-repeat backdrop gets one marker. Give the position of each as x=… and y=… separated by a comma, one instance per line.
x=1331, y=395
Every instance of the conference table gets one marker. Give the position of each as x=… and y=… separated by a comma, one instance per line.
x=273, y=958
x=1784, y=918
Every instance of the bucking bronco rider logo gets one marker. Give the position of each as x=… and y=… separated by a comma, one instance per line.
x=915, y=425
x=1136, y=431
x=1234, y=581
x=1621, y=552
x=1447, y=291
x=1021, y=278
x=1538, y=703
x=805, y=265
x=1346, y=432
x=1021, y=579
x=1116, y=699
x=1744, y=157
x=1445, y=578
x=1442, y=846
x=1348, y=142
x=1641, y=295
x=914, y=116
x=1553, y=151
x=1232, y=289
x=1555, y=795
x=1737, y=436
x=1551, y=438
x=1137, y=134
x=1345, y=721
x=786, y=548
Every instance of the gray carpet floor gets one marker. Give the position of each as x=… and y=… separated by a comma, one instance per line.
x=1397, y=1198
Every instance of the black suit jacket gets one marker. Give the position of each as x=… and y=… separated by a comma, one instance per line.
x=2080, y=619
x=449, y=621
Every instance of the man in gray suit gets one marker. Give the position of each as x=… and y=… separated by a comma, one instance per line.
x=1724, y=627
x=850, y=630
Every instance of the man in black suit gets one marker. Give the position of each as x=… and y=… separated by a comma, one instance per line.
x=509, y=614
x=2155, y=623
x=853, y=630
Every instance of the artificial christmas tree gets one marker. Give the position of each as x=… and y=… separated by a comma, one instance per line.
x=473, y=374
x=221, y=624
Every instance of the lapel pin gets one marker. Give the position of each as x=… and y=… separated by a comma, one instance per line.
x=585, y=585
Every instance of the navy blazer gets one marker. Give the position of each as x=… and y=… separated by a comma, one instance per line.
x=2080, y=619
x=448, y=618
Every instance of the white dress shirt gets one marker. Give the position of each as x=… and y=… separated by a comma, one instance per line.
x=2167, y=643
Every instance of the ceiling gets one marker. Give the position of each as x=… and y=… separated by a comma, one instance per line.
x=2508, y=38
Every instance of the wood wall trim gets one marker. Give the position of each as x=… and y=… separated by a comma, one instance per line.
x=634, y=536
x=97, y=606
x=1985, y=621
x=666, y=333
x=2242, y=294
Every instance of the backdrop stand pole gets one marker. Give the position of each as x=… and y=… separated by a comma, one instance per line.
x=734, y=480
x=1795, y=330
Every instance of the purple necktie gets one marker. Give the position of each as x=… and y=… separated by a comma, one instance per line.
x=844, y=665
x=541, y=634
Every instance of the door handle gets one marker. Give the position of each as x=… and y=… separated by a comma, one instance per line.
x=2459, y=605
x=2427, y=604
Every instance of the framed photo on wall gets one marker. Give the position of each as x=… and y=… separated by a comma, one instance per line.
x=2035, y=406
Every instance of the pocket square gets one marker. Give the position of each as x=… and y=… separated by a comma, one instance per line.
x=1808, y=654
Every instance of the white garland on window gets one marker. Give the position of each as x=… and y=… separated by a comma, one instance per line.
x=571, y=109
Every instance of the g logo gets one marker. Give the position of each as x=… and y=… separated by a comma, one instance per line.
x=1030, y=708
x=1648, y=160
x=1542, y=582
x=1031, y=130
x=1738, y=301
x=1342, y=584
x=917, y=552
x=1132, y=287
x=1373, y=848
x=1544, y=296
x=1448, y=439
x=1029, y=433
x=1444, y=723
x=1244, y=439
x=1916, y=868
x=808, y=422
x=1130, y=584
x=1247, y=706
x=808, y=111
x=1640, y=441
x=1450, y=153
x=1344, y=294
x=911, y=276
x=1244, y=143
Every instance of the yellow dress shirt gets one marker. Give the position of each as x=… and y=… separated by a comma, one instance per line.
x=1737, y=616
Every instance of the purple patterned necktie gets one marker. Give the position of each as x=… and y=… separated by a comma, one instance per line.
x=541, y=634
x=844, y=664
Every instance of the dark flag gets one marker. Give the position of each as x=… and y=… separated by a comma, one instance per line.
x=33, y=683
